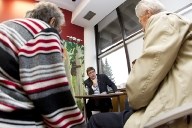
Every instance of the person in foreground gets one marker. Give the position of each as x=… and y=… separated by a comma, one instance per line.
x=161, y=78
x=34, y=88
x=97, y=84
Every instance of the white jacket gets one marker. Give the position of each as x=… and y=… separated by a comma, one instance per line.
x=161, y=78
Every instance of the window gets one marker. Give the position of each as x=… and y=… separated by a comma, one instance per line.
x=109, y=32
x=115, y=67
x=129, y=19
x=112, y=47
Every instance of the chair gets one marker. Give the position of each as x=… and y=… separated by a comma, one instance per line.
x=184, y=110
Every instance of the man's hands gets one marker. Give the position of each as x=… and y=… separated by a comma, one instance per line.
x=118, y=92
x=104, y=93
x=94, y=82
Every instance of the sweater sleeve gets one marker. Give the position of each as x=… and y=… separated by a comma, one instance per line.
x=43, y=78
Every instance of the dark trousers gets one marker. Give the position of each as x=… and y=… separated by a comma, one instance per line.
x=109, y=119
x=102, y=105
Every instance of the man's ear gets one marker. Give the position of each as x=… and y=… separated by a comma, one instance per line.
x=52, y=22
x=149, y=14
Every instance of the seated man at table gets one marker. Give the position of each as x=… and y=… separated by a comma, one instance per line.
x=98, y=84
x=116, y=119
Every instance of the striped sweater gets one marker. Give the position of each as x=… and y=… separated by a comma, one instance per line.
x=34, y=90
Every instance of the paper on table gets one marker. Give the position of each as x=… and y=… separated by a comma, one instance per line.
x=118, y=92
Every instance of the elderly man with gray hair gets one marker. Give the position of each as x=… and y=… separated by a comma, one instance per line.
x=34, y=89
x=161, y=78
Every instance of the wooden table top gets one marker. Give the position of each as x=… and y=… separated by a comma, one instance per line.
x=101, y=95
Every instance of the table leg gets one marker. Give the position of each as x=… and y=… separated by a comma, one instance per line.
x=118, y=104
x=85, y=113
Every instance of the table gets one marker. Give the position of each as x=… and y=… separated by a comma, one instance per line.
x=110, y=95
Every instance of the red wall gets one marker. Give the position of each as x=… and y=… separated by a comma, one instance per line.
x=71, y=29
x=10, y=9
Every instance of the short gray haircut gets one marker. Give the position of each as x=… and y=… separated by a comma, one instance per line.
x=152, y=5
x=45, y=11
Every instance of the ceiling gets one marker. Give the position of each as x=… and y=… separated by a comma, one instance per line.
x=80, y=8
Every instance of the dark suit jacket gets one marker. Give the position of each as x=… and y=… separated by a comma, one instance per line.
x=104, y=103
x=103, y=82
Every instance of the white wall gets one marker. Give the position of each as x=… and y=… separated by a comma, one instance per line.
x=174, y=5
x=135, y=47
x=90, y=50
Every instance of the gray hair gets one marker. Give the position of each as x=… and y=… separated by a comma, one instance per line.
x=154, y=6
x=45, y=11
